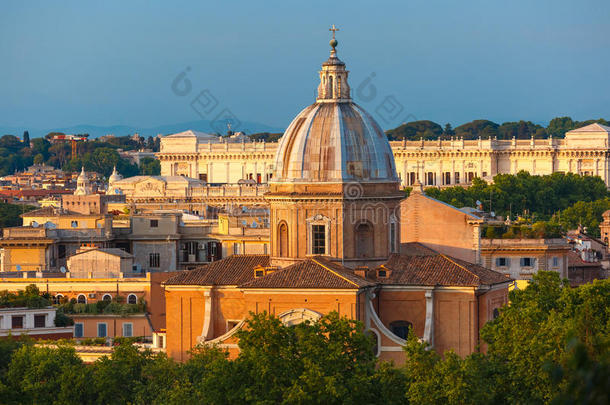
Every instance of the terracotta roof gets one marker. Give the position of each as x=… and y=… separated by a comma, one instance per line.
x=420, y=265
x=233, y=270
x=315, y=272
x=575, y=260
x=111, y=251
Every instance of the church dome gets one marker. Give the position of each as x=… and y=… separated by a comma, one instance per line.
x=334, y=139
x=83, y=184
x=115, y=176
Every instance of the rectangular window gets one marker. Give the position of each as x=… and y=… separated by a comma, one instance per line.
x=555, y=262
x=502, y=262
x=392, y=237
x=101, y=330
x=318, y=234
x=61, y=251
x=17, y=322
x=154, y=223
x=40, y=321
x=128, y=329
x=236, y=248
x=456, y=176
x=447, y=177
x=78, y=330
x=154, y=260
x=527, y=262
x=484, y=174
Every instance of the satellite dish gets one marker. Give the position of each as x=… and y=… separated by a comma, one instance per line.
x=34, y=224
x=74, y=224
x=478, y=202
x=493, y=214
x=18, y=267
x=62, y=269
x=254, y=224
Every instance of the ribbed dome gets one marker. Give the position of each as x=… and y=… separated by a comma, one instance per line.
x=334, y=139
x=334, y=142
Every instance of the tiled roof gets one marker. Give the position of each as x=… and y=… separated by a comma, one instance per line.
x=111, y=251
x=233, y=270
x=315, y=272
x=420, y=265
x=575, y=260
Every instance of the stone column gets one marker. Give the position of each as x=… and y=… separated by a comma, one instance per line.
x=429, y=325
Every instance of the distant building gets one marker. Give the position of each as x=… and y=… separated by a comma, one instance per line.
x=37, y=323
x=583, y=151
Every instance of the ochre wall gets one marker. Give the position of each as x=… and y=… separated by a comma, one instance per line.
x=438, y=226
x=455, y=322
x=114, y=325
x=186, y=311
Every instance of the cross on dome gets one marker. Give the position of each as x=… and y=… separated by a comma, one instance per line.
x=333, y=42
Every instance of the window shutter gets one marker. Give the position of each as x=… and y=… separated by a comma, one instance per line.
x=522, y=262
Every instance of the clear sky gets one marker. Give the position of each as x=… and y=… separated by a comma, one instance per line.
x=113, y=62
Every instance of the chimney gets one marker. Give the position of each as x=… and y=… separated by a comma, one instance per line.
x=360, y=271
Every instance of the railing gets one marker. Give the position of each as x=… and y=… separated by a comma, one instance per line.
x=27, y=233
x=496, y=243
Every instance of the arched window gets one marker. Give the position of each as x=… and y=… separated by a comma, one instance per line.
x=107, y=297
x=330, y=86
x=132, y=299
x=58, y=298
x=283, y=238
x=364, y=240
x=401, y=328
x=81, y=299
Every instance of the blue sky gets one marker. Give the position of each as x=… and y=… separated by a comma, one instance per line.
x=113, y=62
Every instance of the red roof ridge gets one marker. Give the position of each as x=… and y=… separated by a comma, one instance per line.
x=334, y=272
x=459, y=265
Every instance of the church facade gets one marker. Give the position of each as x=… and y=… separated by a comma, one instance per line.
x=334, y=200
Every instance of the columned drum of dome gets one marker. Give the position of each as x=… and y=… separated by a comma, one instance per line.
x=334, y=176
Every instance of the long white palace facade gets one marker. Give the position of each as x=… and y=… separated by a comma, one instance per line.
x=200, y=170
x=221, y=161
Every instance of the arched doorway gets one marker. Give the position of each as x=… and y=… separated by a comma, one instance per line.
x=283, y=239
x=364, y=240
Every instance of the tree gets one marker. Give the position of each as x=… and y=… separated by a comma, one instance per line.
x=329, y=361
x=10, y=214
x=588, y=214
x=559, y=126
x=535, y=329
x=38, y=159
x=43, y=375
x=448, y=131
x=415, y=130
x=26, y=138
x=117, y=378
x=150, y=166
x=542, y=196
